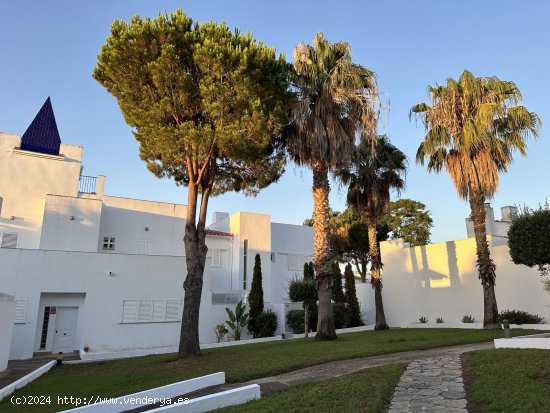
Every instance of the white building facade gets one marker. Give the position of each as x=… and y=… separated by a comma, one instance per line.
x=106, y=273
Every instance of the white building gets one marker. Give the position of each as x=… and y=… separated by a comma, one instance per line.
x=80, y=269
x=104, y=272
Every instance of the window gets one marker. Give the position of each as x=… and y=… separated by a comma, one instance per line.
x=215, y=255
x=150, y=310
x=296, y=262
x=245, y=259
x=20, y=311
x=109, y=243
x=9, y=239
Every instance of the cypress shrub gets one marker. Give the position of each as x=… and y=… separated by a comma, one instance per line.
x=256, y=298
x=337, y=291
x=341, y=315
x=351, y=299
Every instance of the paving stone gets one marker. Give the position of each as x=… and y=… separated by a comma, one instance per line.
x=433, y=385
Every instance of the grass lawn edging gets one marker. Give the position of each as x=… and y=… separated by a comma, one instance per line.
x=115, y=355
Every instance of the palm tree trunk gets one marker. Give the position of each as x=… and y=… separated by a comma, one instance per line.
x=322, y=253
x=485, y=265
x=376, y=280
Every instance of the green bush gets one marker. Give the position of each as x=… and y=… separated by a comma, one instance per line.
x=341, y=314
x=528, y=239
x=519, y=317
x=295, y=320
x=265, y=324
x=423, y=320
x=439, y=320
x=468, y=319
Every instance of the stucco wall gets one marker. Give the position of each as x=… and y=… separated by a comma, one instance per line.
x=26, y=178
x=441, y=280
x=70, y=224
x=53, y=277
x=7, y=313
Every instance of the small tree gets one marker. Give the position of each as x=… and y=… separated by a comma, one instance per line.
x=408, y=219
x=351, y=298
x=256, y=297
x=304, y=291
x=528, y=239
x=337, y=291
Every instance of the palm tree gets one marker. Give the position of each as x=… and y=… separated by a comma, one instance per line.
x=473, y=128
x=373, y=174
x=334, y=100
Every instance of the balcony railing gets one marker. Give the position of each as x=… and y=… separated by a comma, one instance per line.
x=87, y=184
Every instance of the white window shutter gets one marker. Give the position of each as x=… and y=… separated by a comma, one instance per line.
x=159, y=310
x=20, y=311
x=129, y=311
x=9, y=239
x=172, y=310
x=216, y=258
x=145, y=310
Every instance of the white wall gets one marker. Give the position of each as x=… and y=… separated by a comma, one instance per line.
x=288, y=240
x=441, y=280
x=7, y=313
x=126, y=219
x=26, y=178
x=63, y=277
x=71, y=224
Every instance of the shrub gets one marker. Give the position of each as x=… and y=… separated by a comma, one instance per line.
x=519, y=317
x=439, y=320
x=468, y=319
x=423, y=320
x=295, y=320
x=528, y=239
x=237, y=320
x=337, y=291
x=341, y=314
x=256, y=298
x=221, y=331
x=303, y=290
x=266, y=324
x=351, y=299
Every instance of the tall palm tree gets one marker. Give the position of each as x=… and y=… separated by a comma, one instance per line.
x=473, y=128
x=334, y=100
x=373, y=174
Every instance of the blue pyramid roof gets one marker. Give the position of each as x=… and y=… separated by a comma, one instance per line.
x=42, y=135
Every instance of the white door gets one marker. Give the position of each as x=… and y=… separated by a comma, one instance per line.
x=65, y=329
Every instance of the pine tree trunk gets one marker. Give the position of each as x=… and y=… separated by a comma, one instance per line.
x=195, y=258
x=322, y=253
x=485, y=265
x=375, y=274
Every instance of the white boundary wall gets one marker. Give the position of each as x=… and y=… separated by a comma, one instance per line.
x=23, y=381
x=214, y=401
x=151, y=396
x=441, y=280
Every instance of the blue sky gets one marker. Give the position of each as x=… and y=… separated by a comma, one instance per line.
x=49, y=48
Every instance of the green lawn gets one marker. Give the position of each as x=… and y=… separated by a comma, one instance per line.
x=508, y=380
x=240, y=363
x=367, y=391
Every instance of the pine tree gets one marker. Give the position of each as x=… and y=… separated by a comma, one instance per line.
x=351, y=298
x=337, y=291
x=256, y=296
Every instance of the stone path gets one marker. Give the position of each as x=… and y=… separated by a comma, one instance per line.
x=431, y=385
x=339, y=368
